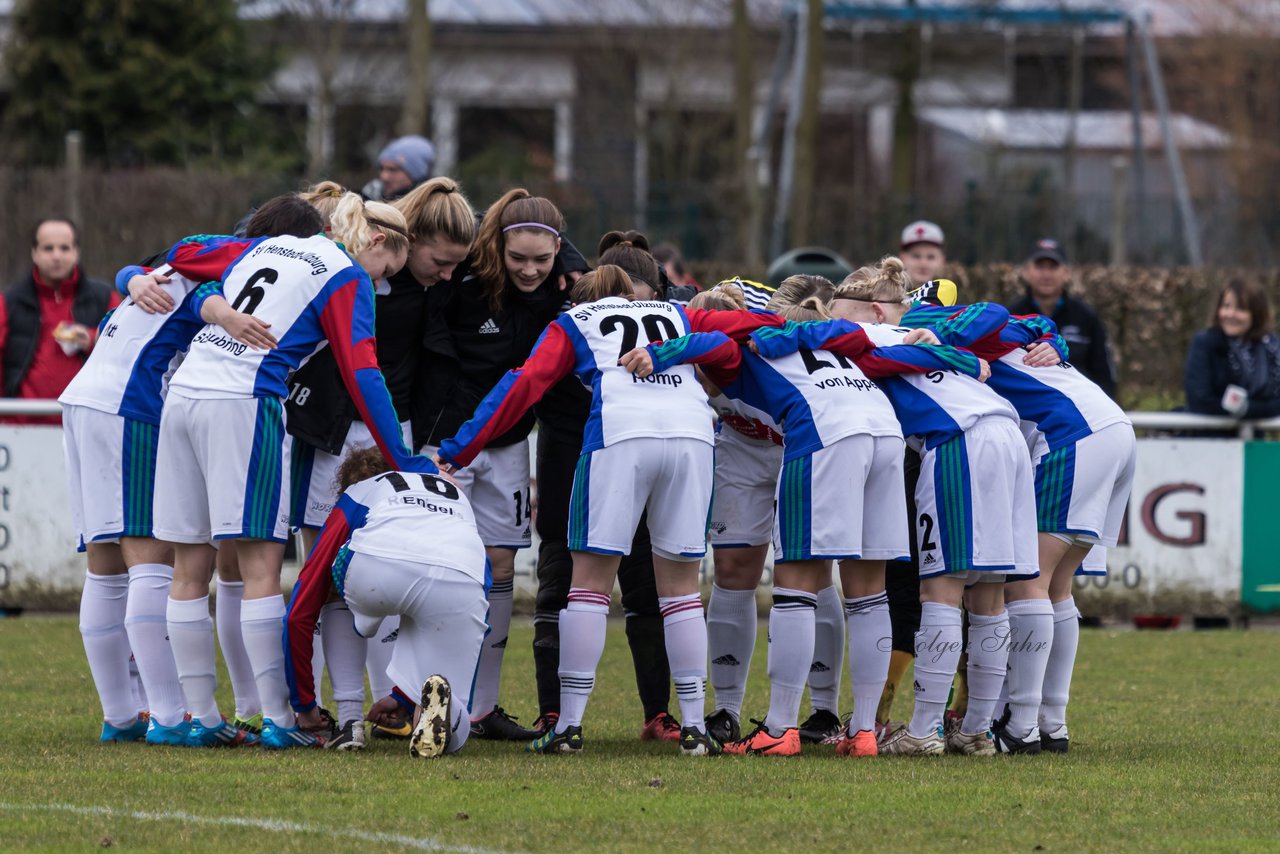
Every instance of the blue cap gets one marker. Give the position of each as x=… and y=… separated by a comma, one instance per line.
x=414, y=154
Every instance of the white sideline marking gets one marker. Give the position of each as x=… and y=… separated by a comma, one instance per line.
x=272, y=824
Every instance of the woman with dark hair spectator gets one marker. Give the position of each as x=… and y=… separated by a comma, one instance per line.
x=1233, y=367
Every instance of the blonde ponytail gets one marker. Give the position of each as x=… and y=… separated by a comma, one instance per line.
x=354, y=221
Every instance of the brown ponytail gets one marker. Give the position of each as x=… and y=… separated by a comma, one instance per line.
x=515, y=206
x=604, y=281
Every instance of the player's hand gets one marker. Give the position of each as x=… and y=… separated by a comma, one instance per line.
x=752, y=346
x=386, y=712
x=921, y=336
x=443, y=465
x=249, y=330
x=1042, y=355
x=638, y=362
x=568, y=280
x=984, y=370
x=145, y=291
x=310, y=720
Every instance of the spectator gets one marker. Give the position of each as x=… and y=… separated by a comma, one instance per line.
x=404, y=164
x=921, y=251
x=672, y=262
x=1233, y=367
x=49, y=318
x=1046, y=275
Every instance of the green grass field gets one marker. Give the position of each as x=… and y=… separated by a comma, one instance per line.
x=1174, y=746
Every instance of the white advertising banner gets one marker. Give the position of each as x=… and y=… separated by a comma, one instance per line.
x=37, y=540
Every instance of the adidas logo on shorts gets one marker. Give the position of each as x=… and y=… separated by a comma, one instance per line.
x=489, y=327
x=929, y=560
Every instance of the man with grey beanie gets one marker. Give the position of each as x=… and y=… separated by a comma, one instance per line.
x=404, y=164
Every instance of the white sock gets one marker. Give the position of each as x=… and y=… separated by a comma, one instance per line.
x=489, y=670
x=191, y=637
x=378, y=656
x=1030, y=639
x=937, y=653
x=731, y=638
x=827, y=667
x=1062, y=661
x=262, y=623
x=231, y=642
x=102, y=612
x=870, y=645
x=146, y=621
x=988, y=659
x=344, y=651
x=583, y=623
x=685, y=629
x=791, y=630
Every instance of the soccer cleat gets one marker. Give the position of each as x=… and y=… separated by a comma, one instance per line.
x=1006, y=742
x=546, y=722
x=886, y=729
x=722, y=725
x=349, y=737
x=760, y=742
x=251, y=725
x=500, y=726
x=330, y=723
x=276, y=737
x=175, y=736
x=902, y=743
x=861, y=743
x=222, y=735
x=820, y=726
x=695, y=742
x=661, y=727
x=434, y=731
x=569, y=741
x=970, y=743
x=135, y=731
x=951, y=722
x=1055, y=742
x=400, y=732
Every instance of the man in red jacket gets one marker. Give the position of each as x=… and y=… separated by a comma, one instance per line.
x=49, y=318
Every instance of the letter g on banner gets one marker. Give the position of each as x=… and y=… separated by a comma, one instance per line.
x=1194, y=518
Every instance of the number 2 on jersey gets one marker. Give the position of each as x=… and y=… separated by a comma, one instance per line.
x=656, y=328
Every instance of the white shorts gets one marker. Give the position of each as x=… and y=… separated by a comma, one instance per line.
x=222, y=470
x=975, y=504
x=497, y=485
x=442, y=621
x=1094, y=563
x=844, y=501
x=111, y=470
x=1082, y=488
x=746, y=481
x=613, y=486
x=314, y=478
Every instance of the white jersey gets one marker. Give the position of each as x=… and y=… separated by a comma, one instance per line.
x=420, y=518
x=1058, y=405
x=288, y=282
x=752, y=424
x=125, y=373
x=938, y=405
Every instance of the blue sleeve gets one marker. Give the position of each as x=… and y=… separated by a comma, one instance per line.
x=697, y=348
x=125, y=274
x=776, y=341
x=959, y=327
x=1197, y=379
x=1033, y=329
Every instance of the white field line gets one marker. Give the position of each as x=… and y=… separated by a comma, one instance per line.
x=269, y=824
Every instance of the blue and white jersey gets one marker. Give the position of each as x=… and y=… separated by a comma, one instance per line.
x=938, y=405
x=288, y=282
x=817, y=397
x=1057, y=404
x=125, y=373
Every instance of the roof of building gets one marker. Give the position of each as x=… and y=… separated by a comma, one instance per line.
x=1102, y=130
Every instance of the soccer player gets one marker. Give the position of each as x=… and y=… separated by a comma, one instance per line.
x=111, y=420
x=1083, y=449
x=398, y=544
x=222, y=463
x=975, y=519
x=647, y=445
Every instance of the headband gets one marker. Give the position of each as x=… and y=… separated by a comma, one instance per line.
x=541, y=225
x=385, y=226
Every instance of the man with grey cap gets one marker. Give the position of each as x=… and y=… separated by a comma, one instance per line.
x=921, y=251
x=1046, y=275
x=404, y=164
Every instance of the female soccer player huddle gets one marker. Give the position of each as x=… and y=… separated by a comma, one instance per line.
x=783, y=428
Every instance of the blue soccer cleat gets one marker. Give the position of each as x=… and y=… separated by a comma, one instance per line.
x=135, y=731
x=275, y=737
x=175, y=736
x=222, y=735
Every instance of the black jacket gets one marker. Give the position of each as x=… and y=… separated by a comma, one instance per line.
x=1085, y=335
x=92, y=300
x=1210, y=370
x=320, y=410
